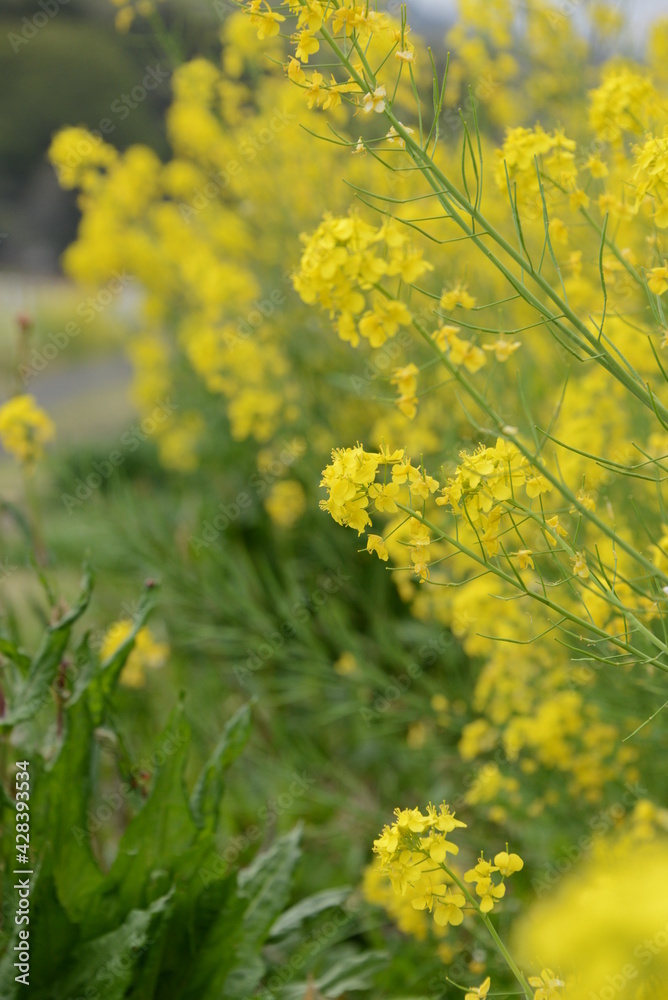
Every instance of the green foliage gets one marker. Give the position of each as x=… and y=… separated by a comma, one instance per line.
x=167, y=918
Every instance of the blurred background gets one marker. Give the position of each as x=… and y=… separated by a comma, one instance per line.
x=64, y=63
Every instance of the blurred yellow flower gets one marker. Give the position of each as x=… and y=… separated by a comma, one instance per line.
x=286, y=502
x=147, y=652
x=25, y=428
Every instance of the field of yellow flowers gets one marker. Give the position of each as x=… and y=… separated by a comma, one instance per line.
x=362, y=691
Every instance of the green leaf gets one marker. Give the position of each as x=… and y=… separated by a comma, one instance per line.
x=355, y=972
x=13, y=653
x=110, y=669
x=265, y=884
x=158, y=840
x=214, y=930
x=35, y=693
x=205, y=801
x=293, y=918
x=109, y=962
x=78, y=877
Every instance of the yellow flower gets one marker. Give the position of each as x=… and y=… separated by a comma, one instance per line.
x=596, y=167
x=458, y=296
x=503, y=348
x=346, y=664
x=307, y=45
x=375, y=543
x=375, y=101
x=25, y=428
x=448, y=909
x=524, y=559
x=286, y=502
x=124, y=19
x=146, y=653
x=546, y=985
x=579, y=563
x=479, y=992
x=508, y=864
x=535, y=485
x=553, y=522
x=657, y=279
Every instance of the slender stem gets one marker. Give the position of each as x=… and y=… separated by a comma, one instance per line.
x=541, y=598
x=587, y=340
x=536, y=461
x=508, y=958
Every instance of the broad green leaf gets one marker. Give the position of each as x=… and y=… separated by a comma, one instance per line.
x=109, y=963
x=354, y=972
x=293, y=918
x=158, y=837
x=266, y=882
x=205, y=801
x=77, y=874
x=210, y=933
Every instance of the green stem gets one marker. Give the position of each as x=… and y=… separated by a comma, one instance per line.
x=507, y=957
x=541, y=598
x=587, y=340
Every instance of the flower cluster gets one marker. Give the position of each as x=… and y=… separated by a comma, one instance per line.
x=623, y=102
x=413, y=853
x=525, y=151
x=483, y=480
x=351, y=484
x=483, y=873
x=651, y=175
x=341, y=267
x=25, y=428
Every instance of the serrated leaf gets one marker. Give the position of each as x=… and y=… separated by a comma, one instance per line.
x=265, y=884
x=35, y=692
x=205, y=801
x=214, y=928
